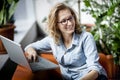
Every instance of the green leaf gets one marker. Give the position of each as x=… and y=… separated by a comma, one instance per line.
x=10, y=1
x=12, y=9
x=1, y=16
x=87, y=3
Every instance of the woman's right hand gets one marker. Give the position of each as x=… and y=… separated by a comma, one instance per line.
x=31, y=54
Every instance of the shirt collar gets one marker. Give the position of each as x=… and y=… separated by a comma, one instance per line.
x=75, y=40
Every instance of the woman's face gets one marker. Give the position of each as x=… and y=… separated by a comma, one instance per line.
x=66, y=22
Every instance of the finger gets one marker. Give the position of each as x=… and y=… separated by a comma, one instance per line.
x=26, y=54
x=37, y=59
x=34, y=58
x=29, y=57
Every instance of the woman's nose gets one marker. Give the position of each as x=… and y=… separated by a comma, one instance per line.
x=69, y=22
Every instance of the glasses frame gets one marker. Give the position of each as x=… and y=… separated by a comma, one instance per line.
x=65, y=21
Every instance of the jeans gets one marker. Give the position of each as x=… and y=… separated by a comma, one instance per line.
x=102, y=77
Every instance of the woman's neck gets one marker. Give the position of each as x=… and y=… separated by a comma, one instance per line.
x=67, y=40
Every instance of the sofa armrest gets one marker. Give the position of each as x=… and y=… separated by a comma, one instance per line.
x=108, y=64
x=49, y=56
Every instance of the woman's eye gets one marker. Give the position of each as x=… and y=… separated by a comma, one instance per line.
x=63, y=21
x=70, y=18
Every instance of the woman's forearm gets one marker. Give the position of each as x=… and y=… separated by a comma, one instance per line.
x=92, y=75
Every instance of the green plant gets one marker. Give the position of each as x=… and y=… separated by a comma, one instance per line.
x=107, y=26
x=7, y=9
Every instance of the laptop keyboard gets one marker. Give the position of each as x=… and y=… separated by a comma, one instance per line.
x=36, y=65
x=43, y=64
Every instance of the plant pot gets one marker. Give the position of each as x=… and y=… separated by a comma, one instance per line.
x=6, y=31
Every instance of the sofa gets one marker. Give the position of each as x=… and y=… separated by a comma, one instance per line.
x=112, y=70
x=24, y=74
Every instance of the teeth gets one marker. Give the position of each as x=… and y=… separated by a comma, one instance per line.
x=70, y=29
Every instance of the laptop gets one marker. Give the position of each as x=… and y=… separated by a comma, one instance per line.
x=17, y=55
x=3, y=60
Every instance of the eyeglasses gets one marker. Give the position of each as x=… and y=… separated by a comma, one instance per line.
x=65, y=21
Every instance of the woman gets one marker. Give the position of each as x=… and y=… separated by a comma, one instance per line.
x=74, y=49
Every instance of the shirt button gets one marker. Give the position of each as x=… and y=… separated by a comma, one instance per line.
x=67, y=70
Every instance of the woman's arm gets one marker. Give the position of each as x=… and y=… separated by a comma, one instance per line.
x=92, y=75
x=92, y=58
x=41, y=45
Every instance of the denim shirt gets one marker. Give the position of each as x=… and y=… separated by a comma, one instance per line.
x=77, y=60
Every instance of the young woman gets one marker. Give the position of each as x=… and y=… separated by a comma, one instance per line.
x=74, y=49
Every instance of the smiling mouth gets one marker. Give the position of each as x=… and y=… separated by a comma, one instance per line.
x=70, y=28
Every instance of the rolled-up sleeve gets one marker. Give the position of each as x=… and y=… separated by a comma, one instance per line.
x=91, y=53
x=42, y=45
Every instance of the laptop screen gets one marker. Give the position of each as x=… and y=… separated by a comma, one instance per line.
x=15, y=52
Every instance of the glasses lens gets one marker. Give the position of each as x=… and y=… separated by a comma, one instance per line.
x=70, y=18
x=65, y=21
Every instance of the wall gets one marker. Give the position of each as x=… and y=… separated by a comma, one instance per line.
x=25, y=31
x=25, y=10
x=42, y=8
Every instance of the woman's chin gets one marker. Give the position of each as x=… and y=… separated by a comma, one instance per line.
x=70, y=31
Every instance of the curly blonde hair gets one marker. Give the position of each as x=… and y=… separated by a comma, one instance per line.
x=53, y=18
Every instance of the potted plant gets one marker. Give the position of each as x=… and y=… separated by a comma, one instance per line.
x=7, y=9
x=107, y=28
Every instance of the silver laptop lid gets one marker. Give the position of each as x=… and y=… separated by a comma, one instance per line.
x=15, y=52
